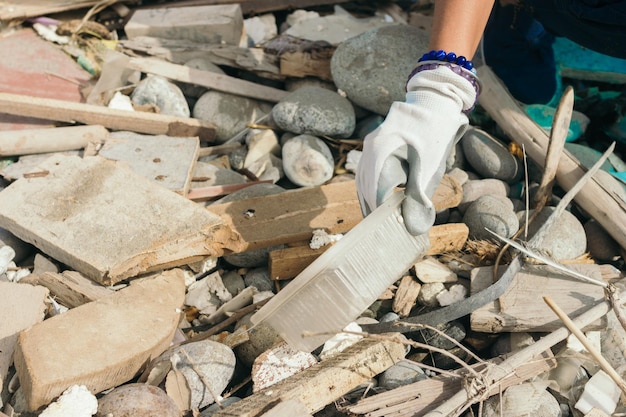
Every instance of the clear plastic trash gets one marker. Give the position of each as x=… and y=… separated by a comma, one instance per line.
x=345, y=280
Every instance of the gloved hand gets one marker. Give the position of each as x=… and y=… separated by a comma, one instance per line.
x=411, y=146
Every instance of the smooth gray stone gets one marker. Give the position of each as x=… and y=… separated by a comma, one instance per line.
x=494, y=213
x=233, y=282
x=454, y=330
x=315, y=111
x=230, y=113
x=259, y=278
x=566, y=238
x=474, y=189
x=261, y=338
x=372, y=68
x=158, y=91
x=402, y=373
x=307, y=161
x=490, y=157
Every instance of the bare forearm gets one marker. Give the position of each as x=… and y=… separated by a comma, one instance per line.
x=459, y=24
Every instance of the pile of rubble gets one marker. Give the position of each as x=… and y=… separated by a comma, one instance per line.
x=167, y=169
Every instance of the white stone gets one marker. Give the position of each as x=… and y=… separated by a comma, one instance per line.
x=261, y=28
x=431, y=270
x=600, y=392
x=352, y=160
x=76, y=401
x=307, y=161
x=120, y=101
x=428, y=294
x=452, y=295
x=6, y=257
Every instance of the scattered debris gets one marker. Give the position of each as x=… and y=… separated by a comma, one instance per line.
x=177, y=192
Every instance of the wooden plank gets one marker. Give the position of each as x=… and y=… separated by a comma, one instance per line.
x=324, y=382
x=522, y=308
x=141, y=122
x=107, y=222
x=292, y=216
x=594, y=198
x=100, y=344
x=29, y=141
x=69, y=288
x=214, y=81
x=289, y=262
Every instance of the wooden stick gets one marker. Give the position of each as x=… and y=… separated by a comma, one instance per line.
x=218, y=82
x=558, y=135
x=604, y=364
x=31, y=141
x=204, y=193
x=594, y=198
x=70, y=112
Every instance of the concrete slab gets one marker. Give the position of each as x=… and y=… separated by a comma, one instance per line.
x=107, y=222
x=167, y=161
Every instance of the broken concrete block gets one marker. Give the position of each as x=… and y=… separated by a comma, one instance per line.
x=107, y=222
x=168, y=161
x=21, y=306
x=101, y=344
x=207, y=24
x=278, y=363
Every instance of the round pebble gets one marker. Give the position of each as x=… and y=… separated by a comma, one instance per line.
x=307, y=161
x=259, y=278
x=315, y=111
x=214, y=360
x=137, y=400
x=371, y=72
x=261, y=338
x=490, y=157
x=230, y=113
x=402, y=373
x=491, y=212
x=566, y=238
x=158, y=91
x=474, y=189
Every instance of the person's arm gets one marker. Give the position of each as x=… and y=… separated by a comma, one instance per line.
x=458, y=25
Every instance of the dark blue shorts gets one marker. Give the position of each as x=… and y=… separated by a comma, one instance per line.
x=517, y=43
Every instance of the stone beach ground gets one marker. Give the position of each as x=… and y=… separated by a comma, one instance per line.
x=309, y=138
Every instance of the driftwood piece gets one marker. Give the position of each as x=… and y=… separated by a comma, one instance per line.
x=325, y=381
x=214, y=81
x=179, y=52
x=101, y=344
x=107, y=222
x=30, y=141
x=307, y=64
x=69, y=112
x=406, y=295
x=595, y=198
x=521, y=308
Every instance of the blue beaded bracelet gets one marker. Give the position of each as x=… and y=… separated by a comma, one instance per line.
x=451, y=57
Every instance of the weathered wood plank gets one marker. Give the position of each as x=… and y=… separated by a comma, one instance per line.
x=141, y=122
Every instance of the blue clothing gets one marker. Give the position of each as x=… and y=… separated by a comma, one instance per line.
x=518, y=40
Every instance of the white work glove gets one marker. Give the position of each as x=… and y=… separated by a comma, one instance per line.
x=411, y=146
